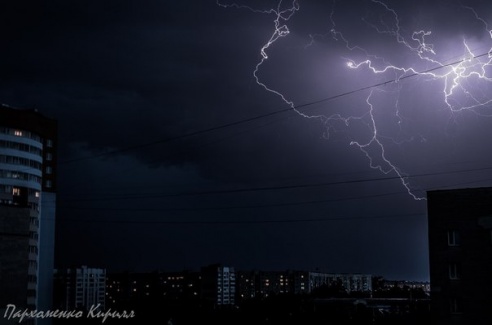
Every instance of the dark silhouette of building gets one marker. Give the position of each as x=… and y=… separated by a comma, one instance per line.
x=460, y=253
x=80, y=288
x=128, y=289
x=28, y=152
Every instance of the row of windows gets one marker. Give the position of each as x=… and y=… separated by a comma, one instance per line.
x=454, y=238
x=15, y=190
x=20, y=133
x=32, y=206
x=21, y=147
x=19, y=175
x=13, y=160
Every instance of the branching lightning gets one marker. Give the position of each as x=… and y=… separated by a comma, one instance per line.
x=462, y=80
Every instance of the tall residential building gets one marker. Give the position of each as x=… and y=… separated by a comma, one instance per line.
x=218, y=286
x=28, y=142
x=460, y=255
x=80, y=288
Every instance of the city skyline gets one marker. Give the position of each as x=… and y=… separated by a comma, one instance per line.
x=258, y=135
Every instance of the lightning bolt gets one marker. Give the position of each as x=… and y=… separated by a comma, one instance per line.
x=463, y=81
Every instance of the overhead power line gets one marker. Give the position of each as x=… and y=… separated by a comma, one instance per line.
x=266, y=188
x=230, y=207
x=239, y=222
x=226, y=125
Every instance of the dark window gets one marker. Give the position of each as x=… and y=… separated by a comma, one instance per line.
x=453, y=238
x=454, y=271
x=455, y=305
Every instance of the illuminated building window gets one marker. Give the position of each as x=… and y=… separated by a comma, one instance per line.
x=18, y=133
x=16, y=191
x=36, y=194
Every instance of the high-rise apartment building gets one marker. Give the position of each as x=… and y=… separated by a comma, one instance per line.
x=218, y=286
x=460, y=255
x=28, y=143
x=80, y=288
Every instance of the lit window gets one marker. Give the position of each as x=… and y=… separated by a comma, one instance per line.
x=36, y=194
x=18, y=133
x=453, y=238
x=16, y=191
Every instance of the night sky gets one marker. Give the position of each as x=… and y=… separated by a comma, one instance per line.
x=262, y=135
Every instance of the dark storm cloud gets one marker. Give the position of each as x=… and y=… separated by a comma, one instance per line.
x=102, y=60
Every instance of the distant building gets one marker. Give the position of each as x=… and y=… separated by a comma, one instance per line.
x=275, y=282
x=131, y=289
x=80, y=288
x=28, y=142
x=423, y=285
x=218, y=285
x=253, y=284
x=460, y=254
x=180, y=286
x=247, y=284
x=351, y=282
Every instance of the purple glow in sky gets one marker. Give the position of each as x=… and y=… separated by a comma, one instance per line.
x=459, y=77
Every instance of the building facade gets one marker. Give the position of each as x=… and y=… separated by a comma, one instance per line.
x=218, y=285
x=261, y=284
x=460, y=255
x=80, y=288
x=133, y=289
x=28, y=142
